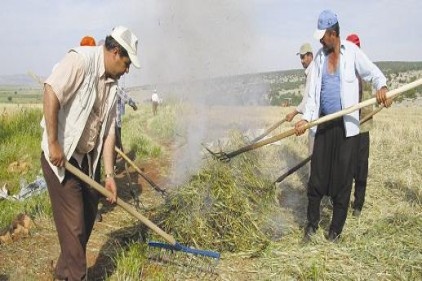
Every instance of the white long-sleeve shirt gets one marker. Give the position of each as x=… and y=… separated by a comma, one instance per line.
x=301, y=107
x=352, y=62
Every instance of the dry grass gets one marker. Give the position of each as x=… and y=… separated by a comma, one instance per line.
x=383, y=244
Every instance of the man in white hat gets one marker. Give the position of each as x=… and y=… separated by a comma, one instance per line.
x=79, y=122
x=335, y=86
x=155, y=101
x=306, y=58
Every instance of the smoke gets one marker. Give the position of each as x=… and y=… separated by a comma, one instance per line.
x=190, y=40
x=194, y=48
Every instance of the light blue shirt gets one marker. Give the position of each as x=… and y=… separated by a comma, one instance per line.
x=330, y=91
x=353, y=62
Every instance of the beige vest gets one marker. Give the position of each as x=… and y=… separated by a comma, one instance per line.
x=73, y=116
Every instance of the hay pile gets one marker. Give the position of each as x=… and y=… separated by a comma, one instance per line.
x=224, y=207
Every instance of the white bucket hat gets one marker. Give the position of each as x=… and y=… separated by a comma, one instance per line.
x=127, y=40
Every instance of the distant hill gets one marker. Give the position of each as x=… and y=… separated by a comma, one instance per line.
x=287, y=86
x=21, y=80
x=399, y=66
x=275, y=87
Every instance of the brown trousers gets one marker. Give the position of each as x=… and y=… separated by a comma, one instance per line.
x=74, y=207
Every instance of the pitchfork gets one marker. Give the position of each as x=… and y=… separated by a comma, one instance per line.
x=225, y=157
x=173, y=245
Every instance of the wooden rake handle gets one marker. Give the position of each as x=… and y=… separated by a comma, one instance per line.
x=127, y=207
x=391, y=94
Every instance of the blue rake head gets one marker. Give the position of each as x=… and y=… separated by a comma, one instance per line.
x=179, y=247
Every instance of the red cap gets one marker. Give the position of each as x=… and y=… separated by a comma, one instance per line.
x=88, y=41
x=354, y=38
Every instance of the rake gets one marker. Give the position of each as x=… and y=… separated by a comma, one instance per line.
x=225, y=157
x=172, y=246
x=142, y=174
x=307, y=159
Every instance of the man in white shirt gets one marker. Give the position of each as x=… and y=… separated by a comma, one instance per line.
x=79, y=119
x=306, y=58
x=155, y=101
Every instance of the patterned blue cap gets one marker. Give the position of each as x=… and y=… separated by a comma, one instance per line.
x=326, y=19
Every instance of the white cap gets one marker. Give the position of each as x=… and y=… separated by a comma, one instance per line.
x=127, y=40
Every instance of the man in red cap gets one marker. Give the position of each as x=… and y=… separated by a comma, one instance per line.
x=361, y=174
x=88, y=41
x=354, y=38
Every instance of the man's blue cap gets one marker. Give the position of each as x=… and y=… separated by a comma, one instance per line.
x=325, y=20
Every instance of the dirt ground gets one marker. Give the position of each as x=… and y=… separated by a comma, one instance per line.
x=32, y=257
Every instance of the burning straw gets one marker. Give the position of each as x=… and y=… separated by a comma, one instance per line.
x=222, y=207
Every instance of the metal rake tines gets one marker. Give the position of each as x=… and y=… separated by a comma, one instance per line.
x=200, y=261
x=222, y=156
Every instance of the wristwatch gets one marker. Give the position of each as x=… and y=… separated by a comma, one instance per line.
x=110, y=175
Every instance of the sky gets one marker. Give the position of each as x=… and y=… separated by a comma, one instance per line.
x=197, y=39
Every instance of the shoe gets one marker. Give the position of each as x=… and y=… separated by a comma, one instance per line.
x=98, y=217
x=309, y=232
x=333, y=236
x=356, y=212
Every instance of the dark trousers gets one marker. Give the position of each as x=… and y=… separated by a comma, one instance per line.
x=74, y=207
x=332, y=170
x=361, y=175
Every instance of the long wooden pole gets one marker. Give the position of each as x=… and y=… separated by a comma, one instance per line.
x=390, y=94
